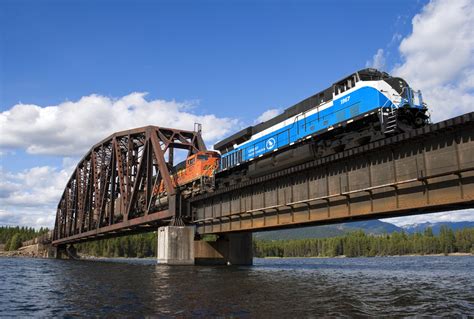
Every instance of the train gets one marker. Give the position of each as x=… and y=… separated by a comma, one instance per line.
x=363, y=107
x=192, y=176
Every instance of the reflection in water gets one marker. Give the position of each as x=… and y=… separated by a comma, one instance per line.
x=403, y=286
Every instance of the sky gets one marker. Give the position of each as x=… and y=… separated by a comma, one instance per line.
x=73, y=72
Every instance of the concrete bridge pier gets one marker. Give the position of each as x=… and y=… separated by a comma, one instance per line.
x=64, y=252
x=177, y=246
x=59, y=252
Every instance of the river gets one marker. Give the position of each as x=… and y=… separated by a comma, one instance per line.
x=272, y=288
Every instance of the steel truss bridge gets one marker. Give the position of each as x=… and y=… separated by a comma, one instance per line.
x=423, y=171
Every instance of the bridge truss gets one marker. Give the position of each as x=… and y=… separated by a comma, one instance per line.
x=111, y=189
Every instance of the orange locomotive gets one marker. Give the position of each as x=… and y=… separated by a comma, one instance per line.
x=192, y=176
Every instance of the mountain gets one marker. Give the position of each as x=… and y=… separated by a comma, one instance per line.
x=375, y=227
x=416, y=228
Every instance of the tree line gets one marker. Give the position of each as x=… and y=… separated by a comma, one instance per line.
x=355, y=244
x=12, y=237
x=359, y=244
x=139, y=245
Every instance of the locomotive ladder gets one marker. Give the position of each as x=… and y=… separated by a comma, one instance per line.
x=391, y=124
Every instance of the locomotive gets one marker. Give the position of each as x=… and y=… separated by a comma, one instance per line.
x=193, y=176
x=363, y=107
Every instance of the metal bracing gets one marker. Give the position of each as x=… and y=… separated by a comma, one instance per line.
x=112, y=186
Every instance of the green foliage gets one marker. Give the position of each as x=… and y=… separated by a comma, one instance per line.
x=141, y=245
x=358, y=244
x=353, y=244
x=15, y=242
x=12, y=237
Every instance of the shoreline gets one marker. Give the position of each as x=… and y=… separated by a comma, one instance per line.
x=27, y=254
x=392, y=256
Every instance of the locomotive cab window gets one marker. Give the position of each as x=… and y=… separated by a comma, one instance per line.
x=191, y=161
x=344, y=85
x=203, y=157
x=321, y=98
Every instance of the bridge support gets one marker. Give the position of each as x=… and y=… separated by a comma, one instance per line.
x=63, y=252
x=175, y=245
x=228, y=249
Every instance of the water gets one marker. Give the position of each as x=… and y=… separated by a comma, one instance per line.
x=276, y=288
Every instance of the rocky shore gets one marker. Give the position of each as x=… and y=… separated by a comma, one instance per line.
x=32, y=251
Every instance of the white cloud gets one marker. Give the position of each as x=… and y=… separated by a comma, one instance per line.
x=71, y=128
x=378, y=60
x=438, y=57
x=30, y=197
x=455, y=216
x=395, y=39
x=267, y=115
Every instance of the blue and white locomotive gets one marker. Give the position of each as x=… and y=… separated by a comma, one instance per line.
x=363, y=107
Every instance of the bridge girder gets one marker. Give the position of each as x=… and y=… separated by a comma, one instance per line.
x=427, y=170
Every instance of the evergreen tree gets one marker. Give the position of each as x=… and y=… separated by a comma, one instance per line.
x=360, y=244
x=15, y=242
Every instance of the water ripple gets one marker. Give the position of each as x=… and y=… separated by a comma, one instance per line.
x=273, y=288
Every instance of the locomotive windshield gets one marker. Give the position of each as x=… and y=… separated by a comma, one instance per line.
x=398, y=84
x=371, y=75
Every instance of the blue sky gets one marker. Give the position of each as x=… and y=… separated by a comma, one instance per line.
x=223, y=64
x=236, y=58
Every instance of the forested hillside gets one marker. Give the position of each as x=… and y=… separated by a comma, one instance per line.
x=354, y=244
x=12, y=237
x=375, y=227
x=141, y=245
x=360, y=244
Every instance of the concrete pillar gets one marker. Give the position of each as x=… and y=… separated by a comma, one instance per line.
x=228, y=249
x=63, y=252
x=175, y=245
x=59, y=252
